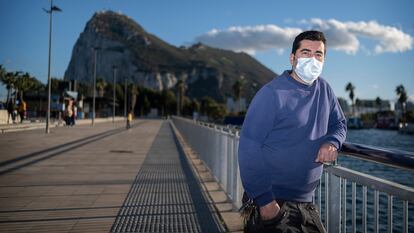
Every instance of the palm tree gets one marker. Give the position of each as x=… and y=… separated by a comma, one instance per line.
x=349, y=87
x=180, y=89
x=402, y=97
x=2, y=72
x=195, y=105
x=9, y=80
x=134, y=93
x=101, y=84
x=237, y=88
x=357, y=104
x=164, y=99
x=24, y=83
x=378, y=102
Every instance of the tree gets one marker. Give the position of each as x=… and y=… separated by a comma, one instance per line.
x=402, y=97
x=25, y=83
x=168, y=102
x=180, y=86
x=134, y=94
x=146, y=106
x=84, y=89
x=2, y=72
x=9, y=80
x=237, y=88
x=350, y=88
x=188, y=107
x=378, y=102
x=171, y=102
x=357, y=103
x=195, y=105
x=212, y=109
x=101, y=84
x=59, y=85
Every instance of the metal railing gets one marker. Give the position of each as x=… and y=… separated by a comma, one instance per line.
x=381, y=205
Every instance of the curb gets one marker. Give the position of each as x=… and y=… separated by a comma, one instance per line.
x=223, y=205
x=26, y=127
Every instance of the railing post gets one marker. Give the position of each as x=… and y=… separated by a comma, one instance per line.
x=223, y=158
x=334, y=203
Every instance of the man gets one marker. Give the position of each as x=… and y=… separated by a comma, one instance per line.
x=294, y=124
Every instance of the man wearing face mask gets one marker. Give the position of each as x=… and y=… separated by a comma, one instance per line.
x=294, y=124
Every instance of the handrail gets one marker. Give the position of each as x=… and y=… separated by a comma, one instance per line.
x=385, y=156
x=390, y=157
x=395, y=189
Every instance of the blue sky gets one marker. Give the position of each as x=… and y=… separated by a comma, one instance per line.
x=371, y=41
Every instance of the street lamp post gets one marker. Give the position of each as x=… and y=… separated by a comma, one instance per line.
x=94, y=84
x=52, y=8
x=125, y=99
x=113, y=103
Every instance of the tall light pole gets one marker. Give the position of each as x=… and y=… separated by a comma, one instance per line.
x=50, y=12
x=94, y=84
x=113, y=103
x=125, y=99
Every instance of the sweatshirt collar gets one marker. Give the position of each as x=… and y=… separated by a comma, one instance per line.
x=290, y=79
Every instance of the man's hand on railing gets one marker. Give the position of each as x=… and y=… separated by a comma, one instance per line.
x=327, y=153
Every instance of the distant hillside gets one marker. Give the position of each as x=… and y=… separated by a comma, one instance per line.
x=150, y=62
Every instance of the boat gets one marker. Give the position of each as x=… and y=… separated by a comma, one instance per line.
x=406, y=128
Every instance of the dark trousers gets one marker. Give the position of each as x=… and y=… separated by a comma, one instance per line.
x=293, y=217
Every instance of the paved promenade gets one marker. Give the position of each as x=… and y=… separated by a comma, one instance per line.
x=100, y=179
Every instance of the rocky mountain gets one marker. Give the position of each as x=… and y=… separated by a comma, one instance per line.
x=146, y=60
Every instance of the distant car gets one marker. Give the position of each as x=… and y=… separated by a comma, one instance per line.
x=355, y=123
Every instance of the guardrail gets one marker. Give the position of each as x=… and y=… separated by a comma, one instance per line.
x=336, y=195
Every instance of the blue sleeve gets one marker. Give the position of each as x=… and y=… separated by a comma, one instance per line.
x=337, y=125
x=256, y=126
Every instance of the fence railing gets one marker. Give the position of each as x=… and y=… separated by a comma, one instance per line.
x=381, y=205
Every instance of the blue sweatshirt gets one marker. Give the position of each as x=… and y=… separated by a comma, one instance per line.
x=286, y=124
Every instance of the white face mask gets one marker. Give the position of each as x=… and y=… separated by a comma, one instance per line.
x=308, y=69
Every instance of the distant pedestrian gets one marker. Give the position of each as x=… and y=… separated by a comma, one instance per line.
x=10, y=110
x=74, y=115
x=22, y=110
x=129, y=119
x=68, y=115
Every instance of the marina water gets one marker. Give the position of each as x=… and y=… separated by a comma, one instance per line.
x=388, y=139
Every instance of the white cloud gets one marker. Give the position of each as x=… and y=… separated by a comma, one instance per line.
x=342, y=36
x=251, y=39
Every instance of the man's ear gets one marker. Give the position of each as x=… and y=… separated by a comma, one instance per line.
x=292, y=58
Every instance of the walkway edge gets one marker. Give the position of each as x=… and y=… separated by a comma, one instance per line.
x=32, y=126
x=225, y=209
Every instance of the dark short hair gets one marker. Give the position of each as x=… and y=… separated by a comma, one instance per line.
x=308, y=35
